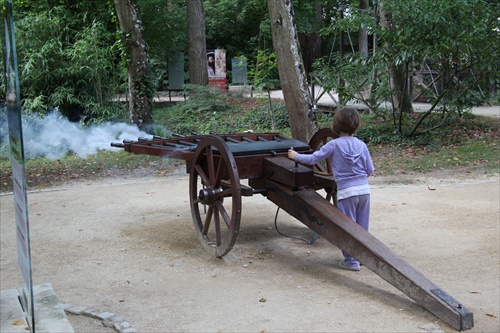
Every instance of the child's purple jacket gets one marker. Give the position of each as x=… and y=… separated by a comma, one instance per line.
x=351, y=160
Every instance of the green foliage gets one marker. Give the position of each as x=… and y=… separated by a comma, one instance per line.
x=205, y=111
x=264, y=74
x=208, y=110
x=458, y=40
x=325, y=119
x=69, y=53
x=165, y=33
x=260, y=120
x=66, y=59
x=367, y=81
x=455, y=42
x=374, y=130
x=234, y=25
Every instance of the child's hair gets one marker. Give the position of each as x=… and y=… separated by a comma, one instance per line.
x=346, y=121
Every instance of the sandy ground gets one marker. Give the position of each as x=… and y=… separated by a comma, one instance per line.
x=129, y=247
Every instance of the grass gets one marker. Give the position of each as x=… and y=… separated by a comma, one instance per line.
x=468, y=157
x=44, y=173
x=468, y=145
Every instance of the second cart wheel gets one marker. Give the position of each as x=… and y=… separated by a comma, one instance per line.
x=214, y=184
x=318, y=140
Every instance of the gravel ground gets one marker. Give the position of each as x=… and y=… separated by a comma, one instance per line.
x=128, y=247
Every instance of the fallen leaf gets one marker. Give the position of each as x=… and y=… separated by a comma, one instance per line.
x=18, y=322
x=491, y=315
x=474, y=292
x=431, y=189
x=262, y=300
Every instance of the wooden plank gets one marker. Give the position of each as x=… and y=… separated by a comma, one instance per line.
x=284, y=171
x=329, y=222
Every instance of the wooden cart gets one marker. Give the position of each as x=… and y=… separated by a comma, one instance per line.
x=216, y=165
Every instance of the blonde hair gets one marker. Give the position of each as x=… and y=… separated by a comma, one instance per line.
x=346, y=121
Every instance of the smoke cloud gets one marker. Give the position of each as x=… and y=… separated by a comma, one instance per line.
x=53, y=136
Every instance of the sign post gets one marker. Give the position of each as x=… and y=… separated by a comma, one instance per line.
x=12, y=97
x=217, y=69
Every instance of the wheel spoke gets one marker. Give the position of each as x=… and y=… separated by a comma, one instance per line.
x=218, y=236
x=203, y=175
x=320, y=168
x=208, y=219
x=329, y=165
x=225, y=193
x=218, y=176
x=223, y=213
x=210, y=165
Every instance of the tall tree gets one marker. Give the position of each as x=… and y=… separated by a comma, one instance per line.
x=398, y=70
x=291, y=70
x=139, y=94
x=309, y=37
x=197, y=49
x=363, y=31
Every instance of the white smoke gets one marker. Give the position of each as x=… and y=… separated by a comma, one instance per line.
x=53, y=136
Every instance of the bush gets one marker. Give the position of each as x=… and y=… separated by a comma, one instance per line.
x=261, y=120
x=206, y=110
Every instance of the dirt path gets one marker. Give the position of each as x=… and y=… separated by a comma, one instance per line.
x=129, y=247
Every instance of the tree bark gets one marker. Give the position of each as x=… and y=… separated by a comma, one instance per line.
x=140, y=92
x=197, y=49
x=311, y=42
x=397, y=73
x=291, y=70
x=363, y=32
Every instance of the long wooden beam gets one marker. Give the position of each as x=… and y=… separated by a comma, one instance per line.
x=329, y=222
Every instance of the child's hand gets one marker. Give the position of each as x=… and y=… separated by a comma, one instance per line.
x=291, y=154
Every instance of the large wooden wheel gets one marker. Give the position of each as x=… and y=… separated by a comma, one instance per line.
x=214, y=183
x=318, y=140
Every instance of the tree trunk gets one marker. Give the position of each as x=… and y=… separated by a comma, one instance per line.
x=363, y=32
x=140, y=92
x=397, y=73
x=197, y=49
x=291, y=70
x=311, y=43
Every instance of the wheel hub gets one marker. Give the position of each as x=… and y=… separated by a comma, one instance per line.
x=208, y=195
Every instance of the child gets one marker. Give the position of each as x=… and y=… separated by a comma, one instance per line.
x=352, y=165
